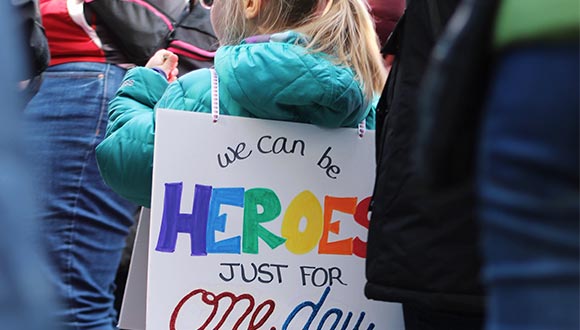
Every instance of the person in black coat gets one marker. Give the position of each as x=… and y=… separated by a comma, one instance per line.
x=422, y=249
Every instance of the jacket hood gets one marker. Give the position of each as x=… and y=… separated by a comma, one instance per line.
x=275, y=73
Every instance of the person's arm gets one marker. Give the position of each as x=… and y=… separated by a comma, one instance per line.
x=35, y=45
x=141, y=89
x=125, y=156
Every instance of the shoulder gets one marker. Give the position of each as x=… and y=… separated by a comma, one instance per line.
x=283, y=64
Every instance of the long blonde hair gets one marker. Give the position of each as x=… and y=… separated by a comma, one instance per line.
x=345, y=30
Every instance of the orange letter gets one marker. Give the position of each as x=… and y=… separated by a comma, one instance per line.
x=346, y=205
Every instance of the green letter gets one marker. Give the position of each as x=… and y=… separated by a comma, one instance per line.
x=252, y=219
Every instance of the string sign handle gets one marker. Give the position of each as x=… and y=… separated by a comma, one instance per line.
x=215, y=95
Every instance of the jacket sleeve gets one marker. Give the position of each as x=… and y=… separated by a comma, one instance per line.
x=125, y=156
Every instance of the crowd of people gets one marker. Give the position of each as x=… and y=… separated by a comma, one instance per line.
x=475, y=213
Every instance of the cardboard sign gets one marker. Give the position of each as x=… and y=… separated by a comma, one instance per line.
x=257, y=224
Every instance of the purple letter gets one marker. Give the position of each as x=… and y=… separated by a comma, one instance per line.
x=174, y=222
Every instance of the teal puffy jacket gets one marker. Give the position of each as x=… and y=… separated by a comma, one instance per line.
x=278, y=79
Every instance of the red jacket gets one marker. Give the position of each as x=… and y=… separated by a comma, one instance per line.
x=386, y=14
x=70, y=37
x=75, y=36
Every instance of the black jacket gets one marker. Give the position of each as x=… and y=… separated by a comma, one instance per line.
x=36, y=45
x=422, y=249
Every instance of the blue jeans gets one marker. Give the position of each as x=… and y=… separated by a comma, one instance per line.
x=528, y=187
x=84, y=221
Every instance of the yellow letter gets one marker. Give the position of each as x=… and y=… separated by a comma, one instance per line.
x=304, y=205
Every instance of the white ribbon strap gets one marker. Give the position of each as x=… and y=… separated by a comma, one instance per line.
x=362, y=127
x=215, y=95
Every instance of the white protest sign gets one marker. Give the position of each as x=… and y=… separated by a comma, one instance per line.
x=260, y=224
x=132, y=315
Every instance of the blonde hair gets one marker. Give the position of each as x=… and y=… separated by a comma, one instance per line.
x=345, y=30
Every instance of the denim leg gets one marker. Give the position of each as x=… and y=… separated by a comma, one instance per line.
x=528, y=186
x=84, y=221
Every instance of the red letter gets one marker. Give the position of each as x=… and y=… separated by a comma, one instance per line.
x=361, y=216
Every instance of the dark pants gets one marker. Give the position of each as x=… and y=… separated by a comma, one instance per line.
x=529, y=190
x=418, y=318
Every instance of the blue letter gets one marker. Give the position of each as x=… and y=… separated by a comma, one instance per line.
x=216, y=221
x=315, y=309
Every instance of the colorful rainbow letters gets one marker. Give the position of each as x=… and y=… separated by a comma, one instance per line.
x=260, y=205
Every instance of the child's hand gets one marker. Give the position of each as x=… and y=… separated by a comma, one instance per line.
x=166, y=61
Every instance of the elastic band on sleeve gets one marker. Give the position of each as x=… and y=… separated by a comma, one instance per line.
x=160, y=71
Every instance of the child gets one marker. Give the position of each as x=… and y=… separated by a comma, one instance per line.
x=309, y=61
